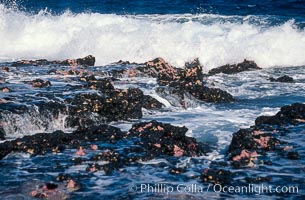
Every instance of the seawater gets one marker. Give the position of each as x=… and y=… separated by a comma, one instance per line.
x=217, y=32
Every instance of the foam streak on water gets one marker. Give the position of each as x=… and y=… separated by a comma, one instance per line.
x=215, y=39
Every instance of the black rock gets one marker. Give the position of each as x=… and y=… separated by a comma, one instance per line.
x=114, y=105
x=217, y=176
x=215, y=95
x=292, y=155
x=235, y=68
x=43, y=143
x=5, y=89
x=283, y=79
x=151, y=103
x=164, y=139
x=40, y=83
x=86, y=61
x=190, y=80
x=292, y=114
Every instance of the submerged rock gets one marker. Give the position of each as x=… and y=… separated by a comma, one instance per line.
x=39, y=83
x=5, y=68
x=283, y=79
x=246, y=65
x=6, y=89
x=217, y=176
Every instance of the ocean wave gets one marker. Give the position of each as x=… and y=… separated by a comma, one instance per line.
x=214, y=39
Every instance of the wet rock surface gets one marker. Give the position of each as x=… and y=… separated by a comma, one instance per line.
x=95, y=153
x=283, y=79
x=86, y=61
x=190, y=80
x=146, y=141
x=39, y=83
x=165, y=139
x=268, y=135
x=151, y=103
x=292, y=114
x=115, y=105
x=246, y=65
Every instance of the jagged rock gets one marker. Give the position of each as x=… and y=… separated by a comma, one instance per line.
x=103, y=85
x=215, y=95
x=43, y=143
x=151, y=103
x=32, y=62
x=99, y=133
x=164, y=139
x=189, y=80
x=283, y=79
x=248, y=144
x=86, y=61
x=39, y=83
x=149, y=69
x=156, y=66
x=246, y=65
x=292, y=114
x=114, y=105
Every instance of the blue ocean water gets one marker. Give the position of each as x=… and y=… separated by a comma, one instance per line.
x=218, y=32
x=283, y=8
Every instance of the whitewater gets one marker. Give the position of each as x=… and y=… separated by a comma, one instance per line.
x=214, y=39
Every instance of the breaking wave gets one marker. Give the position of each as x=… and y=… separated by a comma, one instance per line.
x=214, y=39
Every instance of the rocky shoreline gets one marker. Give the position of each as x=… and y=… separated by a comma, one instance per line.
x=144, y=141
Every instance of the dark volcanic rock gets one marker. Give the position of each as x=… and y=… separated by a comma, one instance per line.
x=283, y=79
x=114, y=105
x=189, y=80
x=156, y=66
x=217, y=176
x=151, y=103
x=211, y=94
x=99, y=133
x=235, y=68
x=149, y=69
x=164, y=139
x=292, y=114
x=43, y=143
x=39, y=83
x=86, y=61
x=103, y=85
x=292, y=155
x=248, y=144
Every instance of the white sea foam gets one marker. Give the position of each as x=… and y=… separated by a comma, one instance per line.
x=140, y=38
